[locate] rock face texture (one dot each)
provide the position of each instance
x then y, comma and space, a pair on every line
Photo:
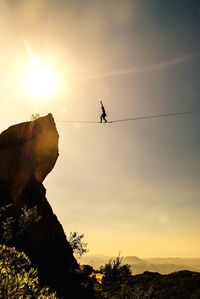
28, 149
28, 152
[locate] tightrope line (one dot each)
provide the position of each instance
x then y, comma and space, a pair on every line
133, 118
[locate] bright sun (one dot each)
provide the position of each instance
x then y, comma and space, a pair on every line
40, 81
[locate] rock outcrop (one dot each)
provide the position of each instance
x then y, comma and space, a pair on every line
27, 149
28, 152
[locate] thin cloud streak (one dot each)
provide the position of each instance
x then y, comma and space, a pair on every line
139, 70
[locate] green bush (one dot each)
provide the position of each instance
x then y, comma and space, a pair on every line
115, 276
17, 278
13, 228
78, 246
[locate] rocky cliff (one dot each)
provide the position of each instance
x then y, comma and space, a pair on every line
28, 152
27, 149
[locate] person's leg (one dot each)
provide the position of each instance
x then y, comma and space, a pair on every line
104, 118
101, 118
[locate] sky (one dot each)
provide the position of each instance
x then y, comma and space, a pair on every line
130, 187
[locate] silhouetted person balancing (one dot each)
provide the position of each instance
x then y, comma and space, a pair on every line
103, 115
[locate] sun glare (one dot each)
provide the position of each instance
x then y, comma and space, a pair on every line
40, 80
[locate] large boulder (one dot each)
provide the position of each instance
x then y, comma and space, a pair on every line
27, 149
28, 152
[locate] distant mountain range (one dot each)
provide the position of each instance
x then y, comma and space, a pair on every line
161, 265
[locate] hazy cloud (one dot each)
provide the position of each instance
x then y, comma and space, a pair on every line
144, 69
